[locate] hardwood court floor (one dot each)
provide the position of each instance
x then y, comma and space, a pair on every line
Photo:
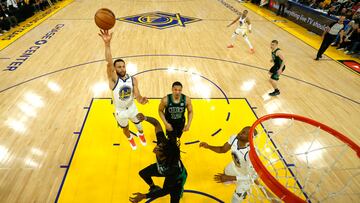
42, 100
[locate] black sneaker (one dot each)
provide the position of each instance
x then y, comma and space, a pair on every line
154, 188
317, 58
274, 93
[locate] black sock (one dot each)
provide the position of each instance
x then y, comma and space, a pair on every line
277, 90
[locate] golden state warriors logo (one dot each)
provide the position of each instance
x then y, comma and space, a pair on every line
159, 20
124, 93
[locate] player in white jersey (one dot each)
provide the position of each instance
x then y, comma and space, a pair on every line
125, 90
240, 170
243, 28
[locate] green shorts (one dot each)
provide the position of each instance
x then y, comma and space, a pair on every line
274, 72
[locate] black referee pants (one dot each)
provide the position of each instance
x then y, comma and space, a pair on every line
328, 39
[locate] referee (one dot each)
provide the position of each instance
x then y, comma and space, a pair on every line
329, 35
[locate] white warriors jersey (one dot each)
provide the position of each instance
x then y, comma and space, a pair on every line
123, 92
242, 22
240, 156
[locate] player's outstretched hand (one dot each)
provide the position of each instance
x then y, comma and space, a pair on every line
203, 144
143, 100
220, 178
138, 197
186, 128
104, 34
168, 127
141, 117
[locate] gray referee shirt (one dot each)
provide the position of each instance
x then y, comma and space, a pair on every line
335, 29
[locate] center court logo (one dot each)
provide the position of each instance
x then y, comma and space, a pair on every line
159, 20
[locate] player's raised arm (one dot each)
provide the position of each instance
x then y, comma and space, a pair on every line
106, 36
234, 21
218, 149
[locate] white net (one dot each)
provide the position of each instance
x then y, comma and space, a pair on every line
310, 162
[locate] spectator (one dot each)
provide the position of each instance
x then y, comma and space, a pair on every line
355, 7
333, 10
352, 25
24, 10
12, 3
353, 43
343, 11
2, 26
348, 14
10, 19
281, 9
347, 36
335, 3
325, 4
314, 4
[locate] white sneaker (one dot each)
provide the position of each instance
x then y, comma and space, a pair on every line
132, 144
142, 138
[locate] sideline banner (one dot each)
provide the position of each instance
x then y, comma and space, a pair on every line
309, 18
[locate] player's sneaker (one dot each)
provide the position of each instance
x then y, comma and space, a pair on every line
142, 139
132, 144
274, 93
230, 46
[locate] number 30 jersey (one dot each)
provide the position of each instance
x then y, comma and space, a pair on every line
123, 92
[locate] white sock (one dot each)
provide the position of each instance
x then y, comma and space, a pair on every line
248, 42
233, 38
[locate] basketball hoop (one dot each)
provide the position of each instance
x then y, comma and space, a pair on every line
287, 180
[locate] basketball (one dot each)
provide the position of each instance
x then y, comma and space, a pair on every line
104, 18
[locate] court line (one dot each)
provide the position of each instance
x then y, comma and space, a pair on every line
72, 19
204, 19
193, 142
249, 6
196, 192
73, 152
185, 56
116, 144
305, 42
186, 71
216, 132
228, 116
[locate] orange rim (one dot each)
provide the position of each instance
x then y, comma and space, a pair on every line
276, 187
